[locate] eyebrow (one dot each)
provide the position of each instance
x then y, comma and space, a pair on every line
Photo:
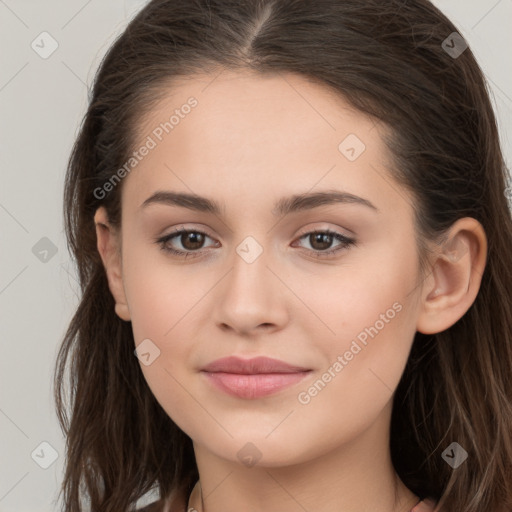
283, 206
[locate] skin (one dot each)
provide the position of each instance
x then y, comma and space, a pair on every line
250, 141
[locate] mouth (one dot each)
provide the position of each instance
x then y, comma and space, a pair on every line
253, 378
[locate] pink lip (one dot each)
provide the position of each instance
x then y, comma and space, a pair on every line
252, 378
260, 364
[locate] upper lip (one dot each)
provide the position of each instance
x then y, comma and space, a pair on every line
255, 365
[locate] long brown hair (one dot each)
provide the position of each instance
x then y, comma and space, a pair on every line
389, 59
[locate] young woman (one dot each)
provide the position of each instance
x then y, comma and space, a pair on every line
292, 235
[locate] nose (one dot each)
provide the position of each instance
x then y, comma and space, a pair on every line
251, 298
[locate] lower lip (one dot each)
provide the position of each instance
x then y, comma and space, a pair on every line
254, 385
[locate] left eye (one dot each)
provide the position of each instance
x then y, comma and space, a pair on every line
325, 238
192, 241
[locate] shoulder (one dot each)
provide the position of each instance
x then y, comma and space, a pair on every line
161, 506
176, 503
426, 505
156, 506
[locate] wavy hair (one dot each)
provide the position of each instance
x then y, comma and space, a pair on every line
388, 59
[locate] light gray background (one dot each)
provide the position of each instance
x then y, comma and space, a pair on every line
41, 104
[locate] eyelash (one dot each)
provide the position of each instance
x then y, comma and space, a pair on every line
345, 242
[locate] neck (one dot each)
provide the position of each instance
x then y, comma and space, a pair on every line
359, 475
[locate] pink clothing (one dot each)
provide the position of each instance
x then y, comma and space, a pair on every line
426, 505
175, 505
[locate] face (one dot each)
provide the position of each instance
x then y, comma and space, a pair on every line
326, 284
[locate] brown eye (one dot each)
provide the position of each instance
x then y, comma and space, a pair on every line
191, 241
321, 241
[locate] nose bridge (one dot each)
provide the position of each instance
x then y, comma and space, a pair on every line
250, 275
250, 295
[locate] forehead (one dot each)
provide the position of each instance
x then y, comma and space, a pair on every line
251, 134
269, 103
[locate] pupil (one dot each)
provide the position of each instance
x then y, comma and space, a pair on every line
323, 238
195, 238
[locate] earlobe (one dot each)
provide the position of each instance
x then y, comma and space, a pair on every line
454, 282
108, 244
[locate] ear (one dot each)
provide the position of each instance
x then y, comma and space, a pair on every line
452, 286
109, 247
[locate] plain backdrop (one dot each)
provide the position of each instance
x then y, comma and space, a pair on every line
42, 101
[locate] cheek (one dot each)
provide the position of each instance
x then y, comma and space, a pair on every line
370, 312
161, 294
163, 299
365, 365
371, 291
